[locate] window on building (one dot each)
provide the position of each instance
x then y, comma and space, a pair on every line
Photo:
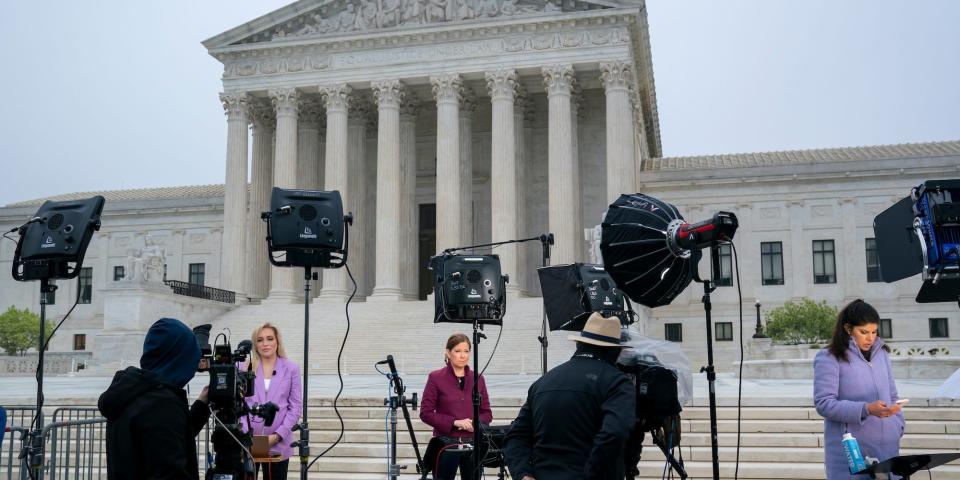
197, 273
771, 262
873, 262
939, 328
824, 262
724, 331
86, 284
723, 266
886, 328
673, 332
118, 273
80, 341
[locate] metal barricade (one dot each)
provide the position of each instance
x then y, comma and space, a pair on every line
19, 418
76, 444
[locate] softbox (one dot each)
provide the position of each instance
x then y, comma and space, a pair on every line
309, 226
55, 237
572, 292
468, 288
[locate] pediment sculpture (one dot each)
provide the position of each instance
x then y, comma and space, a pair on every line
365, 15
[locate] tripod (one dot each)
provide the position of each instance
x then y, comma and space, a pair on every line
399, 400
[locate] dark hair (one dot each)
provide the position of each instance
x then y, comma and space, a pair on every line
457, 339
607, 354
857, 313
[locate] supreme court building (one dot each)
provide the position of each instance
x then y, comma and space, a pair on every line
442, 123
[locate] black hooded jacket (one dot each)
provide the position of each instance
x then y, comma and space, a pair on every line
575, 421
150, 432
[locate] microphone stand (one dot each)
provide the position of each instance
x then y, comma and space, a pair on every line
545, 241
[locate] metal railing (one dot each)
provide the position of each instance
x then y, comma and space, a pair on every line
201, 291
18, 420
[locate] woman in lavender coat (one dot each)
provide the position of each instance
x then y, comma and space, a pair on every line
854, 391
278, 381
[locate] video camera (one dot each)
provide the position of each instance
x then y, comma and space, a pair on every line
228, 389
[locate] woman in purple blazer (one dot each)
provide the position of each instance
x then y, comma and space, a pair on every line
854, 391
447, 403
278, 381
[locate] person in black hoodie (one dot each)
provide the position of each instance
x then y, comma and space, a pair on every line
577, 416
150, 430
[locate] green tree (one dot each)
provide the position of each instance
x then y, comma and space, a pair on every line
19, 330
802, 322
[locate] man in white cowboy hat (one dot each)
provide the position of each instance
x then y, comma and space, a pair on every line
577, 417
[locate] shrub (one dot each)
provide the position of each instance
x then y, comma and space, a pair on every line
801, 322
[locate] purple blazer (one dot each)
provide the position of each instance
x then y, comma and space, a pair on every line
443, 402
285, 393
841, 392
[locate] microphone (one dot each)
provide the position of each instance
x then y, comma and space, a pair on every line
389, 361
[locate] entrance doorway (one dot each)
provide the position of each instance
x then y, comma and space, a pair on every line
428, 246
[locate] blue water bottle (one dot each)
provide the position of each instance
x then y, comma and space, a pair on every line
854, 457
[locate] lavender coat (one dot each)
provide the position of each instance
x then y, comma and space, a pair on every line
841, 392
285, 393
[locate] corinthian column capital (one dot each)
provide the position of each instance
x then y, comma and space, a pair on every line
447, 88
234, 104
502, 84
285, 101
468, 103
616, 75
261, 114
558, 79
336, 97
388, 93
410, 106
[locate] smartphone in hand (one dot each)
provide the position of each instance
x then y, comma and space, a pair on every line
903, 401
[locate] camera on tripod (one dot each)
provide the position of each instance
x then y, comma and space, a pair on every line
228, 389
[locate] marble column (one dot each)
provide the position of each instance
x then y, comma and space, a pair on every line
621, 148
409, 221
359, 178
309, 168
336, 100
283, 280
519, 145
263, 121
235, 194
502, 85
388, 94
534, 250
468, 106
447, 91
576, 109
562, 175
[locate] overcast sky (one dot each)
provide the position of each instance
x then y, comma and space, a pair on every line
103, 95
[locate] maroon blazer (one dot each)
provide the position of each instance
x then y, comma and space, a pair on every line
443, 402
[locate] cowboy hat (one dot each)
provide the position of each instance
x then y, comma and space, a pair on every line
600, 331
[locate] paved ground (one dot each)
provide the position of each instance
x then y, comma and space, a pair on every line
86, 389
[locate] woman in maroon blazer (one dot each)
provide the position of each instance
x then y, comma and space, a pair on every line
447, 403
278, 381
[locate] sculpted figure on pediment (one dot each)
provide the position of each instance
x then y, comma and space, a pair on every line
552, 7
390, 16
413, 12
367, 17
436, 10
347, 20
465, 10
320, 25
488, 8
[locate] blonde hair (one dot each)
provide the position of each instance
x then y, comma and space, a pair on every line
255, 354
454, 340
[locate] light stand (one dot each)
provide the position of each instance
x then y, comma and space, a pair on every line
303, 444
708, 287
33, 442
477, 461
395, 401
545, 242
